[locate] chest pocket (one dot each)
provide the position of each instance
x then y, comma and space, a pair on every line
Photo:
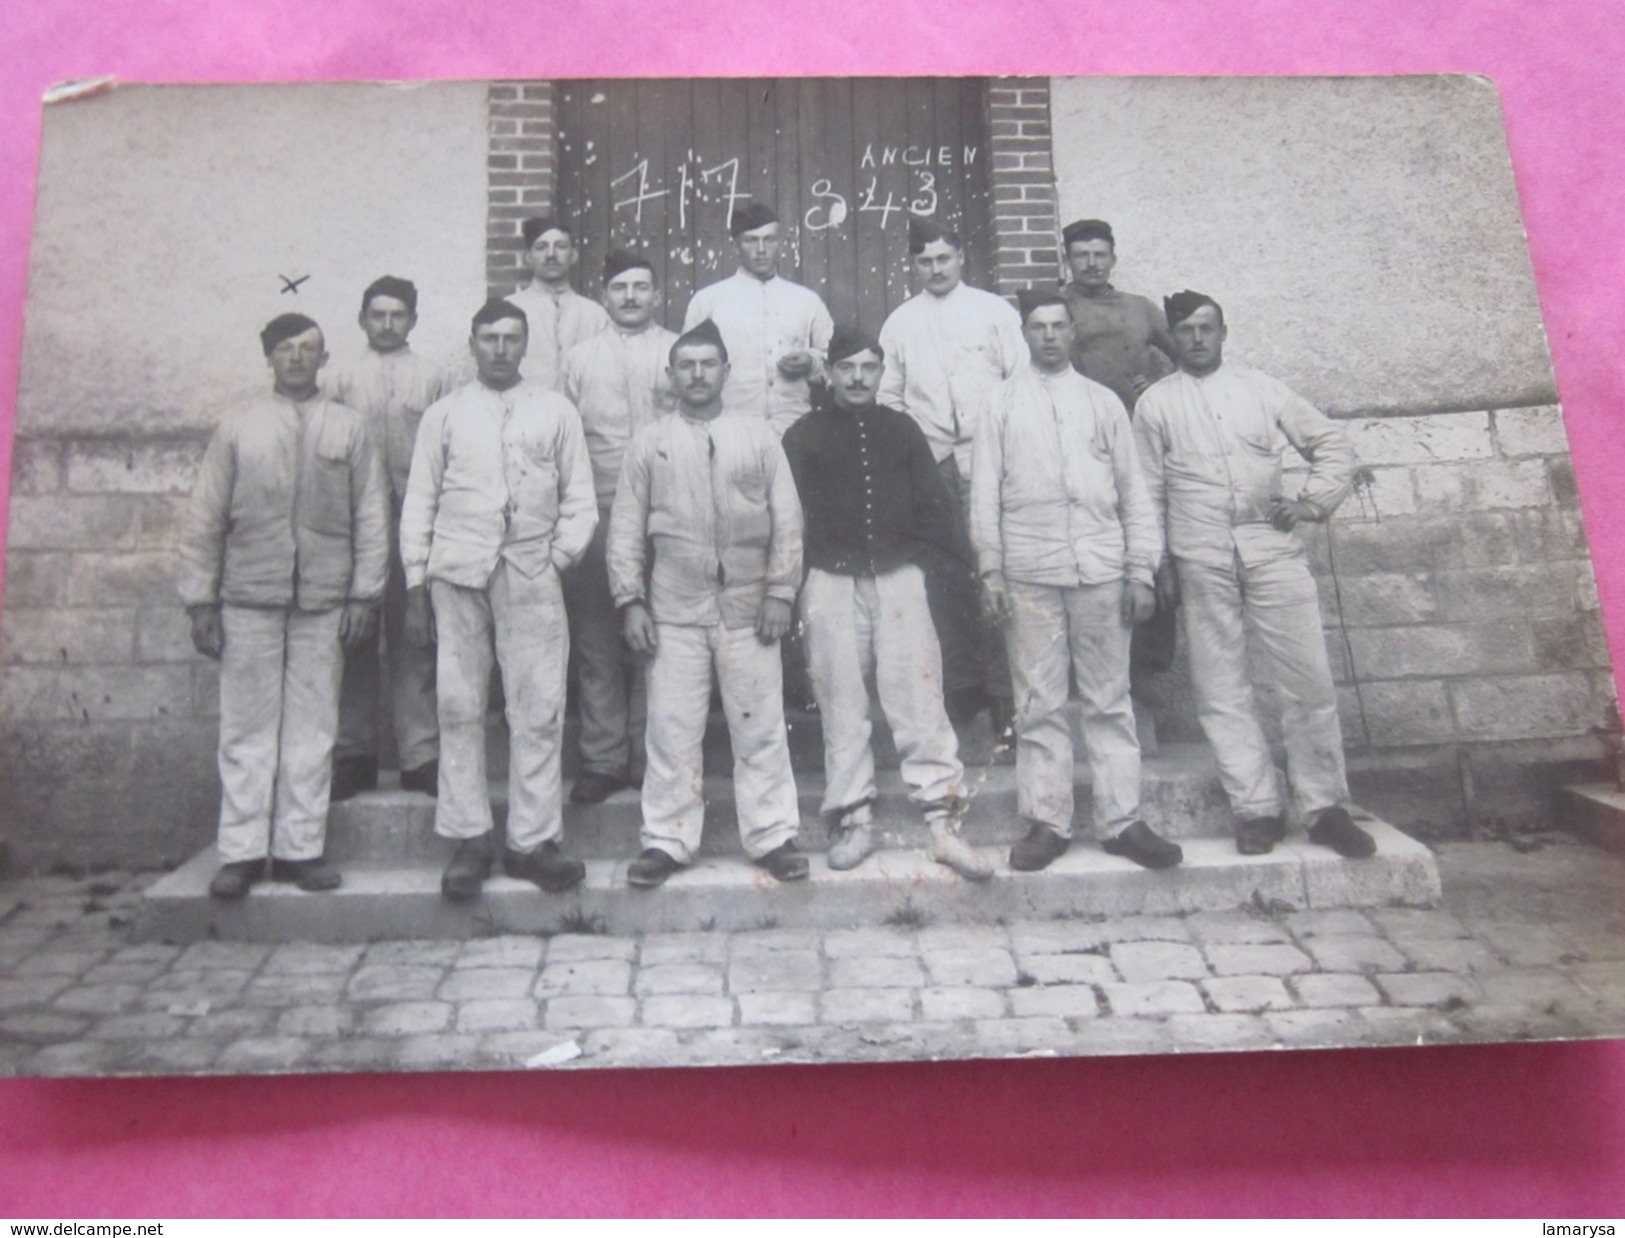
750, 480
1259, 443
327, 496
534, 478
1090, 478
1100, 450
972, 357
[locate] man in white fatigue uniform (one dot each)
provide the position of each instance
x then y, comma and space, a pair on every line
559, 316
775, 330
948, 347
1067, 543
282, 563
1210, 439
618, 382
704, 562
499, 503
390, 386
873, 502
1121, 341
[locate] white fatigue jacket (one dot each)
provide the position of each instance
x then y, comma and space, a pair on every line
618, 382
945, 356
496, 474
1211, 449
391, 390
556, 324
716, 505
288, 510
1057, 493
761, 321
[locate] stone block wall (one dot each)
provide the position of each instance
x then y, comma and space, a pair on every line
1459, 600
107, 715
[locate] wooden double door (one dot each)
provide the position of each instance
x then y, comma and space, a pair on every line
662, 165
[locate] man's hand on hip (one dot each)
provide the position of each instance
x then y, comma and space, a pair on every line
772, 620
638, 626
1285, 514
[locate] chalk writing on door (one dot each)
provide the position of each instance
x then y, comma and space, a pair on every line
892, 181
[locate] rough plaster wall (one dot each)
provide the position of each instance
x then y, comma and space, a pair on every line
166, 215
1362, 234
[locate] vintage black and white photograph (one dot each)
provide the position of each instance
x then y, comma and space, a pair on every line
560, 574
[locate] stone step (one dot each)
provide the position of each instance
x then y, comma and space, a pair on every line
1595, 810
1181, 798
379, 901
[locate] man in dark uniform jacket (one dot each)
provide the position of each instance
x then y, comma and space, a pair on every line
875, 502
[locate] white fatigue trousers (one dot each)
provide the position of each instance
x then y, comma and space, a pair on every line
412, 705
881, 624
611, 697
279, 710
521, 620
1276, 602
752, 684
1046, 623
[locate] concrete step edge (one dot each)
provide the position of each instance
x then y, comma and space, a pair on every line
386, 902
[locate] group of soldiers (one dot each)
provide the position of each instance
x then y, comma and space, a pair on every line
963, 509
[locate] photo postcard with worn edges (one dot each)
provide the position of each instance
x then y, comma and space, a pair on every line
560, 574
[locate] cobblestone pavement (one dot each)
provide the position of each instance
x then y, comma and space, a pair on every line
1526, 946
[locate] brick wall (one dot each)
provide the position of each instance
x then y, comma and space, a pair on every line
107, 716
519, 175
1026, 229
522, 159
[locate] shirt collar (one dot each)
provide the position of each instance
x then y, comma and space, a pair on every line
1202, 378
542, 290
505, 396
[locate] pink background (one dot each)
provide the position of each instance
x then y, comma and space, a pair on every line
1536, 1130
